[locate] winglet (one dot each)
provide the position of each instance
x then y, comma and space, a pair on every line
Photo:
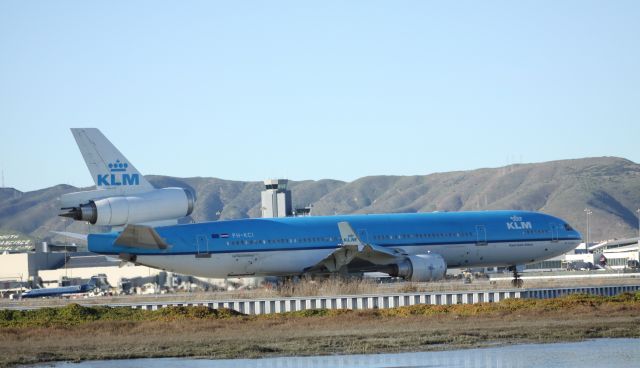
349, 237
140, 236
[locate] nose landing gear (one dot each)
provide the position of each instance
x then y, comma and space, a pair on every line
517, 282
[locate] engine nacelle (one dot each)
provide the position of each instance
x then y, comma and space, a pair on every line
156, 205
422, 268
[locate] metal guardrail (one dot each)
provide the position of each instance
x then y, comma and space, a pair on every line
373, 301
594, 290
356, 302
363, 302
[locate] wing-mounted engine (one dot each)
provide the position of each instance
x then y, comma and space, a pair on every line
155, 205
421, 268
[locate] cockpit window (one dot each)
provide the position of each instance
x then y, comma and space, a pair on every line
568, 227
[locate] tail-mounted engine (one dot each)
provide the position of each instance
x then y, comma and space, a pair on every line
156, 205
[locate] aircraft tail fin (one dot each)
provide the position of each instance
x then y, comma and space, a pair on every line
109, 168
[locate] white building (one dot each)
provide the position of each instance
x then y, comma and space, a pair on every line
276, 199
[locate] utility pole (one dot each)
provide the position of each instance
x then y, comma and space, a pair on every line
638, 212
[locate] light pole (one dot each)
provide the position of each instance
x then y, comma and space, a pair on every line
638, 212
588, 212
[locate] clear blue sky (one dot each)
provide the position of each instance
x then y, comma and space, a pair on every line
315, 89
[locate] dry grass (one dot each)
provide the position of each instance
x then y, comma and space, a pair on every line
329, 286
417, 328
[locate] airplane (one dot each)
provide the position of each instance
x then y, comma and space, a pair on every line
414, 246
60, 291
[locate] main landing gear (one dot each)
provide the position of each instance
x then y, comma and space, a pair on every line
517, 281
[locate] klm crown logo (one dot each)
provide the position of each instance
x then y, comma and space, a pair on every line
118, 175
118, 166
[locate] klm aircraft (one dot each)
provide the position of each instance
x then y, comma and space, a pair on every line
416, 246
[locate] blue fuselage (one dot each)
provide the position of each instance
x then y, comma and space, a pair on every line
290, 245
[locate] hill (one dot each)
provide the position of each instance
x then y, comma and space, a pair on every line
609, 186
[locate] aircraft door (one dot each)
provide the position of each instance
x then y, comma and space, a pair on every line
481, 235
554, 232
202, 246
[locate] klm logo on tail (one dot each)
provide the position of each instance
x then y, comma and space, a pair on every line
118, 176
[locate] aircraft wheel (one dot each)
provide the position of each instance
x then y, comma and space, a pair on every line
517, 283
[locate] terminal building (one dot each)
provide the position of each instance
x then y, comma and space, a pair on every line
45, 269
615, 254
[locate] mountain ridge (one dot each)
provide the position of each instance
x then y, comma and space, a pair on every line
608, 186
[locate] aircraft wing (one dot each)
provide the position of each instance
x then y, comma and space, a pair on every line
353, 248
140, 236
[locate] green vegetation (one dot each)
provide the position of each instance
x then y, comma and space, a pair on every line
521, 306
74, 314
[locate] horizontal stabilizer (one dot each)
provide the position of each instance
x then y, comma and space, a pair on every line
140, 236
72, 235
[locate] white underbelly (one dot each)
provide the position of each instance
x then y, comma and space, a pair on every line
221, 265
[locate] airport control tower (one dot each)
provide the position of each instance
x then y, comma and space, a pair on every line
276, 199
